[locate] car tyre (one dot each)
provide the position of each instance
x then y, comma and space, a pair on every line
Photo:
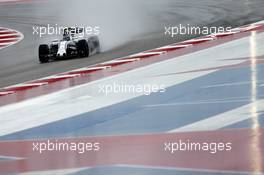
83, 48
44, 53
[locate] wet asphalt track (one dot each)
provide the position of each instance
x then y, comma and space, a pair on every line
19, 63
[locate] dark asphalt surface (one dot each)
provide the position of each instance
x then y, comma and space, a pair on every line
132, 28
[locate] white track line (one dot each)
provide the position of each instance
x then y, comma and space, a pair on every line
10, 34
122, 61
87, 69
227, 84
251, 27
56, 172
222, 120
199, 39
59, 77
147, 53
66, 76
6, 92
5, 1
27, 85
201, 171
199, 103
224, 34
177, 46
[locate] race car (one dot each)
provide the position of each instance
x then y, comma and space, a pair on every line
72, 45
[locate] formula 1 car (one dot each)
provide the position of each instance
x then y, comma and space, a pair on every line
72, 45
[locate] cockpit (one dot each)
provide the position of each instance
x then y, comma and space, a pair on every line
70, 32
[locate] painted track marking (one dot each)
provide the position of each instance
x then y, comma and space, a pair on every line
9, 37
